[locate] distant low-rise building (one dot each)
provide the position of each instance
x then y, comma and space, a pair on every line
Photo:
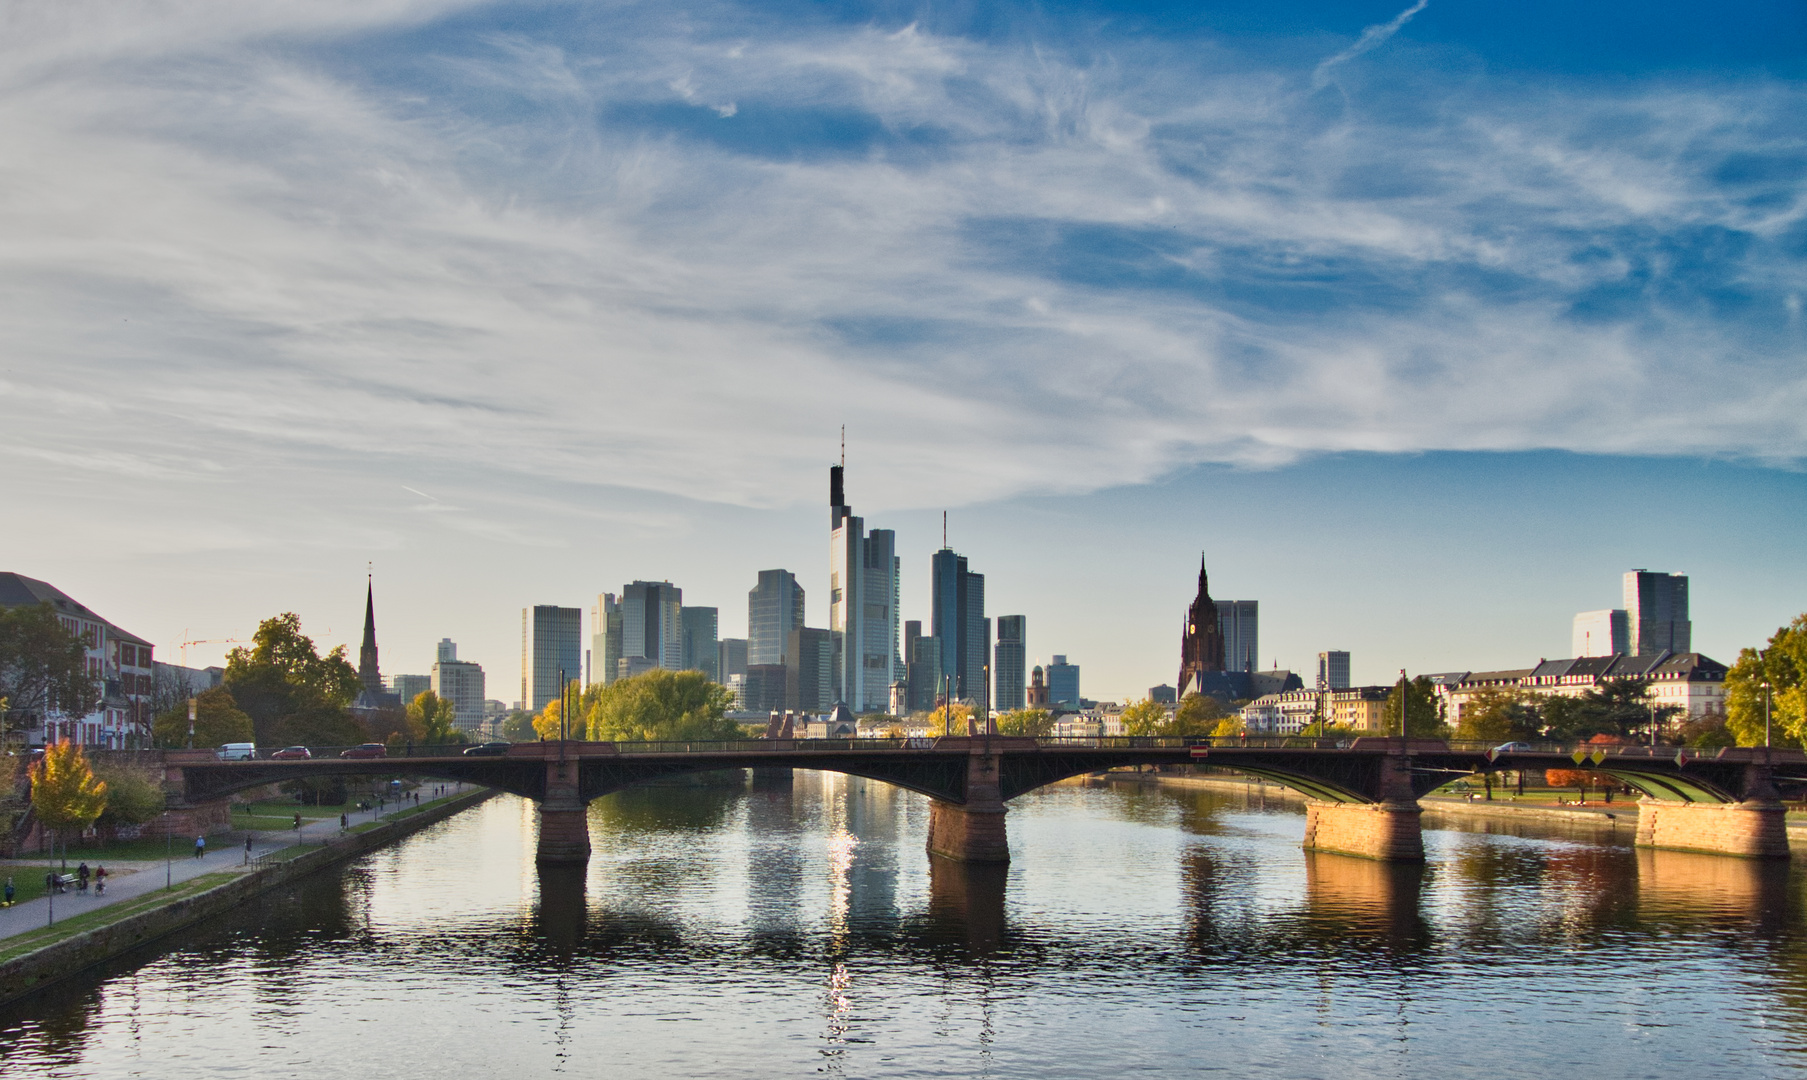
1694, 684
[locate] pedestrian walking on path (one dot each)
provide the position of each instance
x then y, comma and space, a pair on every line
200, 846
10, 891
344, 823
82, 874
100, 880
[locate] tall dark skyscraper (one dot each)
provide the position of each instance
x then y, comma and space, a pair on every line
863, 573
1656, 609
370, 672
962, 632
1008, 672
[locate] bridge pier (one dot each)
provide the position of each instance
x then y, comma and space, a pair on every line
564, 817
1388, 830
1753, 829
972, 831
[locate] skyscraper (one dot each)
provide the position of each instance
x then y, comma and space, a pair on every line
605, 638
1008, 672
809, 670
461, 683
1238, 620
774, 609
1656, 612
731, 658
863, 574
922, 666
962, 632
1600, 633
1063, 683
1333, 670
551, 642
699, 628
651, 626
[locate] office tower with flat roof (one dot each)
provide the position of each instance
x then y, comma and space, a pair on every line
1333, 670
1239, 621
809, 670
763, 687
1656, 612
1600, 633
731, 658
605, 638
774, 609
1009, 672
961, 630
922, 667
651, 623
1063, 683
863, 576
700, 645
408, 687
461, 683
551, 642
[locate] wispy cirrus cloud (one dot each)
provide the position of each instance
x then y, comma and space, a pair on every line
672, 250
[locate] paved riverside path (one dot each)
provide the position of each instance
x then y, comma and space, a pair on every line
225, 852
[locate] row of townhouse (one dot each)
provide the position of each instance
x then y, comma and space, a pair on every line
1690, 683
1362, 708
119, 662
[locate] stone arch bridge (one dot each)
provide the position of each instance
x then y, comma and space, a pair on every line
1362, 794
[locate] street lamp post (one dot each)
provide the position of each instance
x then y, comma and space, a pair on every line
1766, 696
1404, 690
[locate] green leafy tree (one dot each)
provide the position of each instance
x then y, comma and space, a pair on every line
1200, 714
1615, 707
655, 705
433, 720
1035, 723
218, 720
134, 795
1145, 717
291, 692
65, 793
1782, 663
518, 727
43, 668
1496, 715
1422, 720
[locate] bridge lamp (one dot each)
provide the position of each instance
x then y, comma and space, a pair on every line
1766, 697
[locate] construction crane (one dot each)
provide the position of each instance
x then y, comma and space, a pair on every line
206, 641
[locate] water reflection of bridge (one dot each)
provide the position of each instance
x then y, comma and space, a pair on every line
1363, 794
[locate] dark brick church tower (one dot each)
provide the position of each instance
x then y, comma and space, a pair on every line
369, 672
1201, 648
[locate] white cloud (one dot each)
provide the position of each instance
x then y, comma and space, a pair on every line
1077, 272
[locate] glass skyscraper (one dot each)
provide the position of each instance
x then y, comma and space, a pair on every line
551, 642
961, 631
1008, 673
774, 609
863, 573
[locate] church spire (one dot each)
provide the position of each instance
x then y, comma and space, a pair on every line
1202, 645
369, 672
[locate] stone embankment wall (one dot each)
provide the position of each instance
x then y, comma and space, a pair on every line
71, 956
1751, 829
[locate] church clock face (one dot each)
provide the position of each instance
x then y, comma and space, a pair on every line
1191, 629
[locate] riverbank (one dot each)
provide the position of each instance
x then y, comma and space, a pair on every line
37, 958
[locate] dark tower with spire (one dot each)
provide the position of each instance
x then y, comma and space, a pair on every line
369, 672
1201, 647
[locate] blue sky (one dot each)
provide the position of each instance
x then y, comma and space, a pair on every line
522, 301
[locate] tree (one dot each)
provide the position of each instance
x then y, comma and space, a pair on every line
1035, 723
134, 795
951, 719
1200, 714
1145, 717
65, 793
218, 720
1783, 665
291, 692
655, 705
43, 668
433, 720
1576, 778
1615, 707
519, 727
1497, 715
1421, 711
1229, 727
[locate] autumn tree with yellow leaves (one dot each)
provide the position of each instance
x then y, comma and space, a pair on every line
65, 793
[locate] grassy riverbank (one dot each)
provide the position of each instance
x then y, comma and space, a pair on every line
21, 944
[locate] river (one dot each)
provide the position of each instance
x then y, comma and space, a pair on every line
763, 932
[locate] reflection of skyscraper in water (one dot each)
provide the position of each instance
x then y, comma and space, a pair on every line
775, 864
875, 814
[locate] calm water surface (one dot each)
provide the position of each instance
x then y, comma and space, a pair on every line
736, 931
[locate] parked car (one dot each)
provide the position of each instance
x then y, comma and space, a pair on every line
292, 753
366, 750
488, 749
238, 751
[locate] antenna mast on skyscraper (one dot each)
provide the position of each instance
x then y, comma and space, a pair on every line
843, 446
944, 528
